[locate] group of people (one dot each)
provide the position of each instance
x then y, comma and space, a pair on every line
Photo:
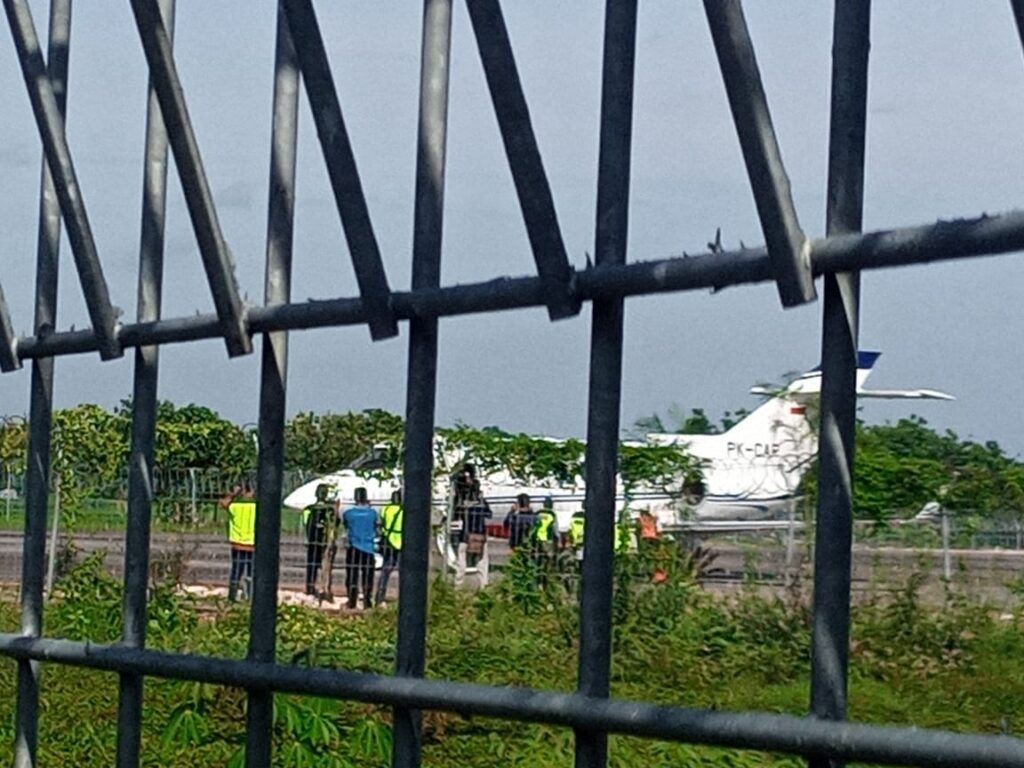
533, 532
536, 531
366, 533
369, 533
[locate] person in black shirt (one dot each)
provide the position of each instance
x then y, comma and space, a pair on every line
519, 522
320, 519
468, 525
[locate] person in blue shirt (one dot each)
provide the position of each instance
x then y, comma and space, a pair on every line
360, 523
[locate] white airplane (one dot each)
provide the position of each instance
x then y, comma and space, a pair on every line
751, 472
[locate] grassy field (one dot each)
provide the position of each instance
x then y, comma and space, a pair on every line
961, 668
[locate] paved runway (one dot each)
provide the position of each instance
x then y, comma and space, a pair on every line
203, 559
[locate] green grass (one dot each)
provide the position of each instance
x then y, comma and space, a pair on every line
959, 667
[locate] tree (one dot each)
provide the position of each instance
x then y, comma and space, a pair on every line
900, 467
331, 441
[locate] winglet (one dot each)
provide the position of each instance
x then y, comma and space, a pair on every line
866, 360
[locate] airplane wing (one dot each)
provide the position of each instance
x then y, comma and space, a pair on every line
731, 526
886, 394
905, 394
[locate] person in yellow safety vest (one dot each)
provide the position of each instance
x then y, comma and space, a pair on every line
545, 530
390, 542
241, 509
545, 539
577, 527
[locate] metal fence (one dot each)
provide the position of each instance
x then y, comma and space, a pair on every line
789, 259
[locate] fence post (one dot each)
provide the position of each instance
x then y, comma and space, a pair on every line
51, 569
790, 545
947, 567
7, 501
192, 493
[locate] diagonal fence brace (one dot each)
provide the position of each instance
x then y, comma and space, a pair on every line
524, 158
787, 245
49, 121
341, 167
217, 260
9, 360
1018, 16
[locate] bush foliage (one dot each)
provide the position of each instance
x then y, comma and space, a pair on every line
899, 467
959, 667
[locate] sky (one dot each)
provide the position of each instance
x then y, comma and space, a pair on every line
946, 106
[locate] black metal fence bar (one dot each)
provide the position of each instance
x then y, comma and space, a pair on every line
217, 261
37, 481
49, 115
789, 259
786, 242
942, 241
1018, 16
421, 388
273, 381
834, 530
605, 390
749, 730
341, 167
523, 156
9, 360
144, 408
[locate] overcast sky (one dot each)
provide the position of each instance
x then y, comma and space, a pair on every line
945, 138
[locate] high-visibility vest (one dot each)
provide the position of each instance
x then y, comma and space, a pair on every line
576, 527
544, 529
391, 524
242, 523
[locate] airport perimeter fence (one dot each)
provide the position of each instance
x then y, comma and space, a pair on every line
183, 498
791, 260
983, 559
186, 498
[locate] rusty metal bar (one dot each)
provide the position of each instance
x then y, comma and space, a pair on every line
524, 159
49, 117
421, 386
217, 260
1017, 6
747, 730
144, 417
944, 241
273, 386
833, 536
9, 360
37, 480
605, 390
341, 167
787, 245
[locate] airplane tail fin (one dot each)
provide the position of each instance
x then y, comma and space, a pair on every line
764, 456
810, 382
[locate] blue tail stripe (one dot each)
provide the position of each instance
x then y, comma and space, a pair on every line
865, 361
